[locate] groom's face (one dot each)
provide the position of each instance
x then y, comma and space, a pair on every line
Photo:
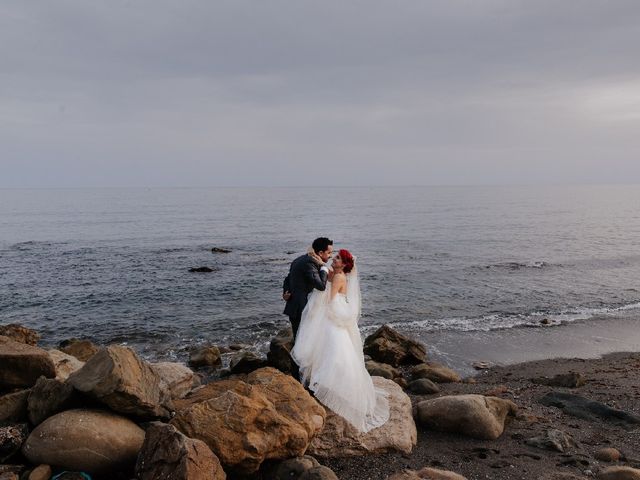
325, 255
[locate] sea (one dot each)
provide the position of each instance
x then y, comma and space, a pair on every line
113, 264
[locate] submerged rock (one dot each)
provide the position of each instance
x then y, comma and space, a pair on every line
388, 346
220, 250
201, 269
21, 364
208, 356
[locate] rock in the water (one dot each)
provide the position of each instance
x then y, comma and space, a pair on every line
64, 363
168, 454
117, 377
245, 362
388, 346
608, 454
86, 440
568, 380
48, 397
11, 439
378, 369
22, 364
581, 407
470, 415
423, 386
83, 350
13, 406
292, 468
201, 269
426, 473
279, 355
553, 439
41, 472
435, 372
619, 473
178, 378
20, 334
341, 439
318, 473
220, 250
269, 415
205, 357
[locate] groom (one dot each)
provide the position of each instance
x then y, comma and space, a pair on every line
306, 273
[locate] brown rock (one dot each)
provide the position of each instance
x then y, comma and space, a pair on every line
205, 357
64, 363
13, 406
279, 355
378, 369
245, 362
388, 346
608, 455
41, 472
426, 473
567, 380
117, 377
168, 454
11, 439
435, 372
22, 364
9, 476
48, 397
291, 468
269, 415
20, 334
341, 439
423, 386
178, 378
499, 390
318, 473
619, 473
561, 476
553, 439
93, 441
470, 415
83, 350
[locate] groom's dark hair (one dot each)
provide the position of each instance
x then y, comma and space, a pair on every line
321, 244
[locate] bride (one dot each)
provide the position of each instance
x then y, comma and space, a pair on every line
328, 350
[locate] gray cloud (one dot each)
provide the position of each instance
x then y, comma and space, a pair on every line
298, 93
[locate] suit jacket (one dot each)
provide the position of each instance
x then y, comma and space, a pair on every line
304, 276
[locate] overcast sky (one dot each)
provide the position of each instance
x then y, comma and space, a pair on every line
375, 92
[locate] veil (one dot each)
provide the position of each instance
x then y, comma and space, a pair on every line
354, 296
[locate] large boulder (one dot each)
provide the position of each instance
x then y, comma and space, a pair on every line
48, 397
13, 406
83, 350
178, 378
64, 363
167, 453
426, 474
117, 377
341, 439
20, 334
266, 415
93, 441
208, 356
474, 416
21, 364
435, 372
388, 346
279, 355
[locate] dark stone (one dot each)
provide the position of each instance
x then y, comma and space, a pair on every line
388, 346
205, 357
13, 406
318, 473
48, 397
378, 369
423, 386
291, 468
584, 408
11, 439
220, 250
21, 364
201, 269
279, 355
568, 380
246, 362
81, 349
553, 439
20, 334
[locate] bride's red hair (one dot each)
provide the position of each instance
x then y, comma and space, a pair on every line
347, 260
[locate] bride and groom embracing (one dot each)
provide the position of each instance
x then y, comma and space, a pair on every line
322, 291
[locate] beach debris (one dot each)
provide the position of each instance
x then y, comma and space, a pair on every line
584, 408
471, 415
81, 349
13, 406
22, 364
55, 441
20, 334
389, 346
207, 356
201, 269
426, 473
267, 415
48, 397
245, 362
608, 454
64, 363
384, 370
11, 439
117, 377
220, 250
423, 386
568, 380
399, 434
435, 372
167, 453
279, 355
177, 378
619, 473
553, 439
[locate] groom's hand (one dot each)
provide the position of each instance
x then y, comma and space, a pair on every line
286, 296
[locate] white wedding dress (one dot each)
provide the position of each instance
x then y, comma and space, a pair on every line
328, 350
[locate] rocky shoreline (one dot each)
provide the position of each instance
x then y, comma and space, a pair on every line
85, 411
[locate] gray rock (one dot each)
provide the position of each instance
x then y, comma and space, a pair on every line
553, 439
48, 397
584, 408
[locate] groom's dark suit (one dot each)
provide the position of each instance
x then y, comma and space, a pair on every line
304, 275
